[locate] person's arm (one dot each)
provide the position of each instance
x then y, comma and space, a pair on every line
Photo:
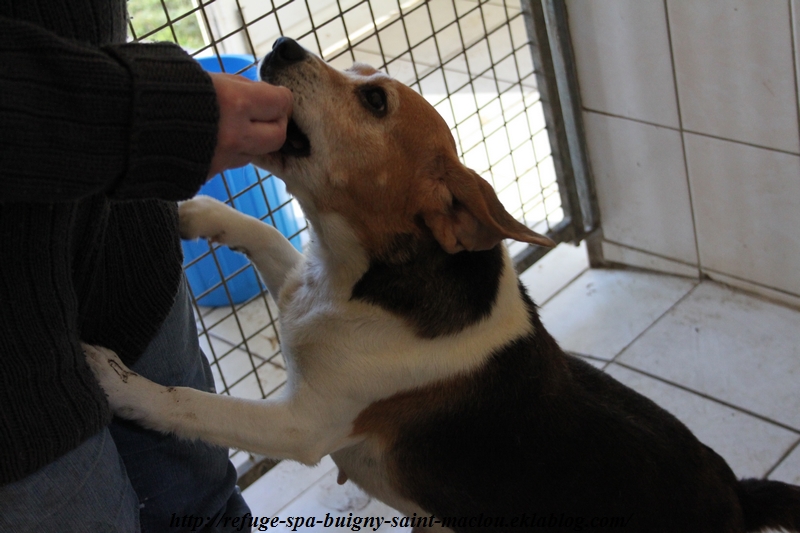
131, 120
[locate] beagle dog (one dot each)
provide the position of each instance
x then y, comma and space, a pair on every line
416, 359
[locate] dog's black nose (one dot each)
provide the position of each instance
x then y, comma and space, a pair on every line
288, 50
285, 52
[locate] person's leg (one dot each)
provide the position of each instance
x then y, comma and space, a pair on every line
85, 490
180, 483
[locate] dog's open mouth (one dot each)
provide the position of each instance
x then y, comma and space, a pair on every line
297, 144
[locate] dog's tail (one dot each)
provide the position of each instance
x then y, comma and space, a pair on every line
769, 504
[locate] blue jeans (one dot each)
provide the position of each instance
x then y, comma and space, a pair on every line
129, 479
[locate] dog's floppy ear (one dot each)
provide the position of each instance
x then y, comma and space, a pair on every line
464, 213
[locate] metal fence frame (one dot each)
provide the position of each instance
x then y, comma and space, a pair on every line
551, 48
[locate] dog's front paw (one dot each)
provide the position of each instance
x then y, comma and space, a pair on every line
204, 217
126, 390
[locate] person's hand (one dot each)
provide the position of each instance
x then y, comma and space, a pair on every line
252, 120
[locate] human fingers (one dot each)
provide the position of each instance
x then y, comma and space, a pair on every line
269, 103
252, 100
264, 137
252, 122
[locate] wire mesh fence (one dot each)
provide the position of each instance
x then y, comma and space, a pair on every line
471, 59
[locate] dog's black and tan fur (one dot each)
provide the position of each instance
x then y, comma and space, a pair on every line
414, 356
540, 433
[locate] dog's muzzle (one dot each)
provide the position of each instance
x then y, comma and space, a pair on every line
285, 53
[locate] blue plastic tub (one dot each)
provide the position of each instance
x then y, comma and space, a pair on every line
204, 274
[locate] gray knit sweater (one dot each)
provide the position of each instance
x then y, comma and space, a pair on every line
98, 138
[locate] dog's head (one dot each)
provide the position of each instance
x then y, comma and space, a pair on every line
369, 149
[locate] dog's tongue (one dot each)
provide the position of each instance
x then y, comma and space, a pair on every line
296, 141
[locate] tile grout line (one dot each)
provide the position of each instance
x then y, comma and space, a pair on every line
586, 356
795, 59
706, 396
683, 139
654, 322
563, 287
769, 299
782, 458
658, 256
707, 271
691, 132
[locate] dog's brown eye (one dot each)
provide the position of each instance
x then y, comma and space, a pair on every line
374, 99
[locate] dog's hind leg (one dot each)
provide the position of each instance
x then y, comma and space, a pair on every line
273, 256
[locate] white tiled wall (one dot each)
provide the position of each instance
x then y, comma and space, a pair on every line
620, 47
691, 113
747, 210
638, 167
733, 65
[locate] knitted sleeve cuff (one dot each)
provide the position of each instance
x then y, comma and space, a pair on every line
173, 125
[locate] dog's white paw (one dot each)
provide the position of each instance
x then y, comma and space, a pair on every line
126, 390
204, 217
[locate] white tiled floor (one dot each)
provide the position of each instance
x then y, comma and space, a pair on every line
724, 362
